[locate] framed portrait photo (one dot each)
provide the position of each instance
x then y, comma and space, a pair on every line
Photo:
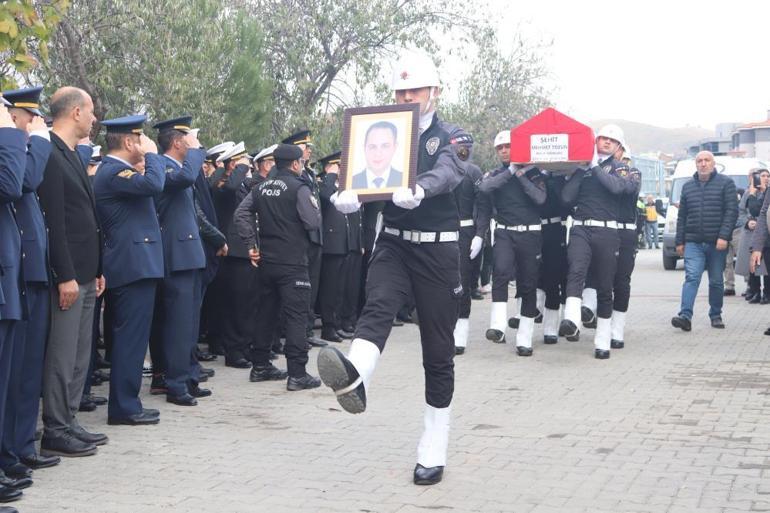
379, 150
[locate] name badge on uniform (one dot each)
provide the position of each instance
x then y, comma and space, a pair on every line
432, 145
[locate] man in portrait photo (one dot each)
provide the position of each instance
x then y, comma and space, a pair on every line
380, 145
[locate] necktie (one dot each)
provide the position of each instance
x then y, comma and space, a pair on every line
378, 182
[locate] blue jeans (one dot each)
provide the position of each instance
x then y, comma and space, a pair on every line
651, 233
699, 257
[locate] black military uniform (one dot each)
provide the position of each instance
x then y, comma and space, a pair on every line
315, 249
465, 195
594, 242
627, 215
286, 212
553, 265
516, 201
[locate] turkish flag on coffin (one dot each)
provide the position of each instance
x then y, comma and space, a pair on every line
552, 141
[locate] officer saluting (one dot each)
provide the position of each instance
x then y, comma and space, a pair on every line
133, 257
416, 253
593, 244
286, 212
183, 257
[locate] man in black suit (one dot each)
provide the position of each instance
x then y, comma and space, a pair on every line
380, 144
67, 200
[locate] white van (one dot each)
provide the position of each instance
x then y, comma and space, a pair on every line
735, 167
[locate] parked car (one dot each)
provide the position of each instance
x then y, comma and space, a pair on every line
735, 167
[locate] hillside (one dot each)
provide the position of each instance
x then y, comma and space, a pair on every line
643, 138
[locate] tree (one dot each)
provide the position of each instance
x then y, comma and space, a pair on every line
167, 58
499, 92
25, 27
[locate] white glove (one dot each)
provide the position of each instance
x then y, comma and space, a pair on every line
476, 244
513, 168
595, 159
346, 201
403, 197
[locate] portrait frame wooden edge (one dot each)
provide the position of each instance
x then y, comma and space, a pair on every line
414, 108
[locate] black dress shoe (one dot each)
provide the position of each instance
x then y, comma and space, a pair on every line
397, 322
729, 292
523, 351
617, 344
716, 322
96, 399
197, 391
305, 382
17, 484
427, 475
476, 294
182, 400
18, 471
682, 323
151, 411
36, 461
513, 323
267, 373
8, 494
86, 405
238, 363
568, 330
89, 438
208, 372
601, 354
316, 342
338, 373
8, 509
755, 299
587, 317
345, 334
66, 445
767, 331
330, 336
550, 339
459, 350
158, 385
539, 318
496, 336
205, 356
137, 419
102, 375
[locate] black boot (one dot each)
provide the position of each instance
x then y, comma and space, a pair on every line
427, 475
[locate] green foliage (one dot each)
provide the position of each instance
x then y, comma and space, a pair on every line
25, 27
167, 58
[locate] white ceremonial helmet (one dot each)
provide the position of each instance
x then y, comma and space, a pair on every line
413, 71
503, 137
614, 132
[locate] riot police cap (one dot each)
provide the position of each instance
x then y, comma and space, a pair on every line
125, 124
27, 99
613, 132
182, 123
302, 137
414, 71
287, 152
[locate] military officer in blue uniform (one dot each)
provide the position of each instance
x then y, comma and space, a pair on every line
13, 156
133, 257
18, 446
183, 257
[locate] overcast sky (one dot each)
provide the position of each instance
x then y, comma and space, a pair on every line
666, 63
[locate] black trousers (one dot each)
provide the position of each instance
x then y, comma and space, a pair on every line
333, 273
348, 313
241, 280
553, 265
315, 257
213, 306
626, 260
285, 288
595, 250
517, 257
469, 270
430, 273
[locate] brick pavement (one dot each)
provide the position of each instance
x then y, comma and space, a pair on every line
673, 423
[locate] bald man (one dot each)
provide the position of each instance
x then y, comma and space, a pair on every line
708, 209
75, 245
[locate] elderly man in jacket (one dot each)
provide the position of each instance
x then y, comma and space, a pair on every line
708, 210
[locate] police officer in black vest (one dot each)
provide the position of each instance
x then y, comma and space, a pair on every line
594, 241
416, 253
315, 250
286, 213
516, 195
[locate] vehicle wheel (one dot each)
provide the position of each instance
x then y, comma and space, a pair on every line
669, 262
